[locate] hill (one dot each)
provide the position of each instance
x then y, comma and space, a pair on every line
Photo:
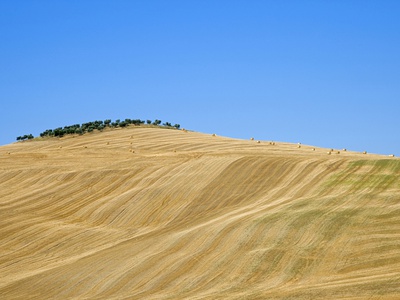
149, 213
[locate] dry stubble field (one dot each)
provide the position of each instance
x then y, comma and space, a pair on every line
147, 213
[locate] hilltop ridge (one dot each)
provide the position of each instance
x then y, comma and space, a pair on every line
148, 213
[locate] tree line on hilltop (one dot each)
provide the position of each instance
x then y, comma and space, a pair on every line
95, 125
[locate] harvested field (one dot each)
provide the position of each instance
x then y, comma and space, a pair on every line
147, 213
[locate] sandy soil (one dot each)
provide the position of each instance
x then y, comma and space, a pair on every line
147, 213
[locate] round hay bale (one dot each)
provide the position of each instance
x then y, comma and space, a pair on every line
252, 139
364, 152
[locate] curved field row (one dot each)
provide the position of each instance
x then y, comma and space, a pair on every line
146, 213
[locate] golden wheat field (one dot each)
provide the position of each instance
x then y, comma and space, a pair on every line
150, 213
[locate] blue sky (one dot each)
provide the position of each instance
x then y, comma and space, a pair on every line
324, 73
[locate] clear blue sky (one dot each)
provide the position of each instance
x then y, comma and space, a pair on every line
324, 73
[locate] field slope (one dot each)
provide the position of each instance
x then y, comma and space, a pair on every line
147, 213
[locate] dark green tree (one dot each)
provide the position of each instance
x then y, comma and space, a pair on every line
157, 122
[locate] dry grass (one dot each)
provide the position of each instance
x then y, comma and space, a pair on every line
171, 214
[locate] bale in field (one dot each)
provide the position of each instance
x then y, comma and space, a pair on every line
364, 152
252, 139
